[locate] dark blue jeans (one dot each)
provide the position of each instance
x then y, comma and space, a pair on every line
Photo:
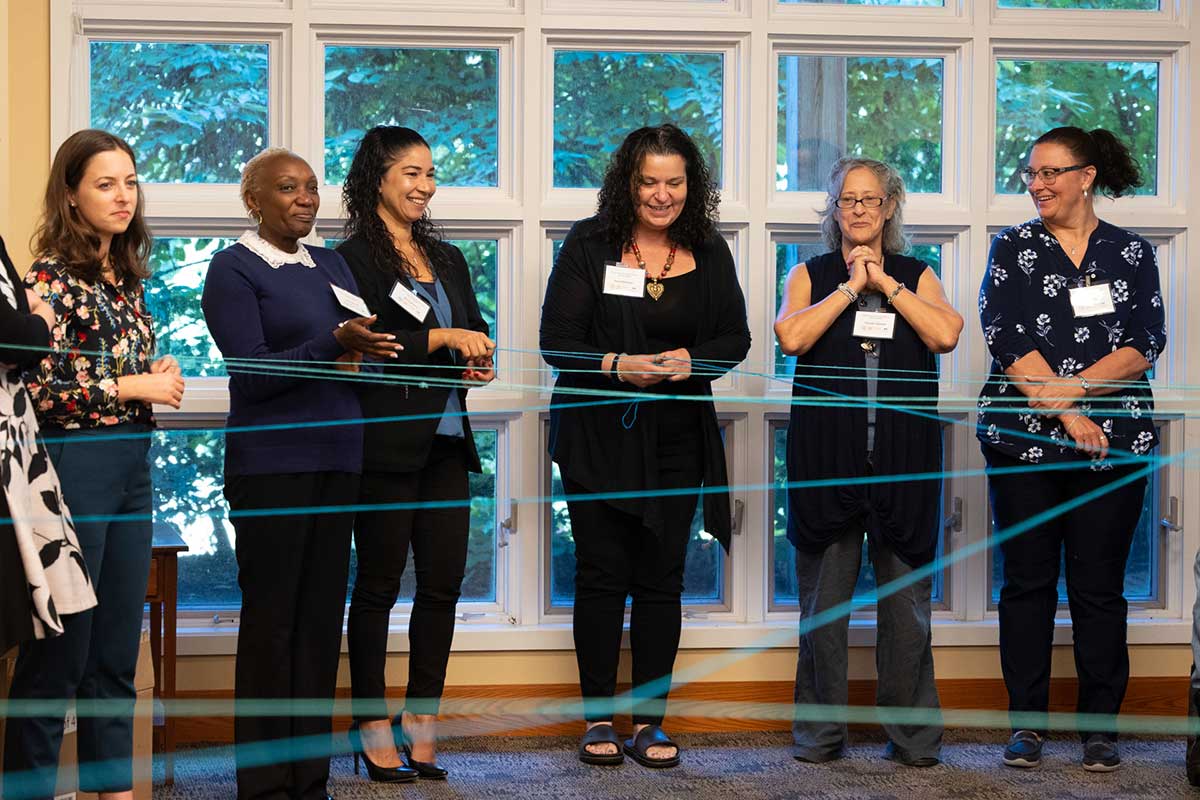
106, 485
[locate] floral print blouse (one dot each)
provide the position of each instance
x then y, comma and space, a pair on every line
102, 332
1024, 305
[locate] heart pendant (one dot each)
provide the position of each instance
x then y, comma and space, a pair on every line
654, 289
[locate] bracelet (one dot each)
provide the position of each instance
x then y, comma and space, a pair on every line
850, 293
1087, 387
898, 290
616, 369
1072, 422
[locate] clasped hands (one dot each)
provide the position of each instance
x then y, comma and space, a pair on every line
1056, 397
648, 369
866, 271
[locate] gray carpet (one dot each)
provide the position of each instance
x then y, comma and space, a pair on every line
747, 766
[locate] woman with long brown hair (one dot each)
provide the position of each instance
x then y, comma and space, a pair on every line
93, 394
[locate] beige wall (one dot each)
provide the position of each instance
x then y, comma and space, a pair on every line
24, 166
24, 120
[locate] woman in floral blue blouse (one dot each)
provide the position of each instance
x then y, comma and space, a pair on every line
1073, 317
93, 395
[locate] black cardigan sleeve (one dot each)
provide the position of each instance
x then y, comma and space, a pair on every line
568, 310
18, 326
728, 341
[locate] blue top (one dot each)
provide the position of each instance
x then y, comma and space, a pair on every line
284, 315
1024, 305
433, 293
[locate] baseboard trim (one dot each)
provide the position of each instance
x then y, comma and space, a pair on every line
520, 710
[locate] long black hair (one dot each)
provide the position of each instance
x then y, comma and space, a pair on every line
376, 153
616, 208
1117, 170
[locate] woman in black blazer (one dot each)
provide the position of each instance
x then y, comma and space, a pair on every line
420, 289
643, 300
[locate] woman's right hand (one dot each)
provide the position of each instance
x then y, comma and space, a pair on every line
857, 267
471, 344
1089, 437
163, 388
643, 370
40, 307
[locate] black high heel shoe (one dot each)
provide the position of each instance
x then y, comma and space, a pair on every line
427, 771
376, 773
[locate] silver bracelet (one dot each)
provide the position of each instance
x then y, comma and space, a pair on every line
896, 293
850, 293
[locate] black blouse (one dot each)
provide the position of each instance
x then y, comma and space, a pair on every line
828, 427
24, 337
580, 325
1024, 305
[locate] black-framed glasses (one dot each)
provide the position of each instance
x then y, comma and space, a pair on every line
1048, 174
847, 203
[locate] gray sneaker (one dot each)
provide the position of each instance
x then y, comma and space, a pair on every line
1024, 750
1100, 754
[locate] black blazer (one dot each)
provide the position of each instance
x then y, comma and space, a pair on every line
404, 446
580, 324
18, 326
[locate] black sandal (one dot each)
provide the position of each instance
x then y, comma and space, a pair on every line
651, 736
600, 734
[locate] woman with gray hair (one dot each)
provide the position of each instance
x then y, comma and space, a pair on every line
864, 320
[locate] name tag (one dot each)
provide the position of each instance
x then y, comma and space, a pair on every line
874, 324
624, 281
409, 300
350, 301
1092, 301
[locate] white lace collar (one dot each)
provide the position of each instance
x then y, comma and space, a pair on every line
271, 254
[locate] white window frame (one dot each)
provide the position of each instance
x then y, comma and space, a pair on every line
524, 210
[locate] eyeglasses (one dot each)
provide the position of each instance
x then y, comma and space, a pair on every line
847, 203
1048, 174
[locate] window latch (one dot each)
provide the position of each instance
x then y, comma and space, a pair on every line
467, 616
739, 511
1171, 521
954, 521
508, 528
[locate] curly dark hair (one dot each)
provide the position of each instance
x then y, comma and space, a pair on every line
377, 152
1117, 171
616, 208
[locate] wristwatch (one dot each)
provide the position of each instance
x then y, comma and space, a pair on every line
1087, 387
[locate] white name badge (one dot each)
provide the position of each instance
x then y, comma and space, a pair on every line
624, 281
1092, 301
407, 299
350, 301
874, 324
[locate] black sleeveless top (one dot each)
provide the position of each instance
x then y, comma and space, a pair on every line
828, 430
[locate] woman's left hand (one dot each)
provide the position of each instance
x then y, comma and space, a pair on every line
1056, 395
876, 277
167, 365
678, 361
479, 370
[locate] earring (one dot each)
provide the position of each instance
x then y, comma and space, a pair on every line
1085, 192
255, 216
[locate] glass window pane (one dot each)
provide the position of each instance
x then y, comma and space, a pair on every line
783, 554
600, 97
884, 108
866, 2
1141, 570
481, 259
703, 581
178, 265
193, 112
450, 96
1034, 96
479, 581
1106, 5
187, 470
789, 254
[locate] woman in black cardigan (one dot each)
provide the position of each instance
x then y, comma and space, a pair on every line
420, 289
643, 300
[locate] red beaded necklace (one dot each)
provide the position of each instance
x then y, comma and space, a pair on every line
655, 288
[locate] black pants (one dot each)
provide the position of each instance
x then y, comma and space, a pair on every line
438, 537
292, 570
616, 557
94, 660
1097, 536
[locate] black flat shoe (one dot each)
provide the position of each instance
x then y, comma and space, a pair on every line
601, 734
376, 773
425, 770
647, 737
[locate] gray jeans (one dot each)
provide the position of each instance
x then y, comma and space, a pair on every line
903, 656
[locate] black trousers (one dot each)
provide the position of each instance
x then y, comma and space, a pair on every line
106, 485
616, 557
1097, 536
292, 570
438, 537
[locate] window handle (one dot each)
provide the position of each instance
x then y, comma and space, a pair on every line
739, 511
508, 528
954, 521
1171, 521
